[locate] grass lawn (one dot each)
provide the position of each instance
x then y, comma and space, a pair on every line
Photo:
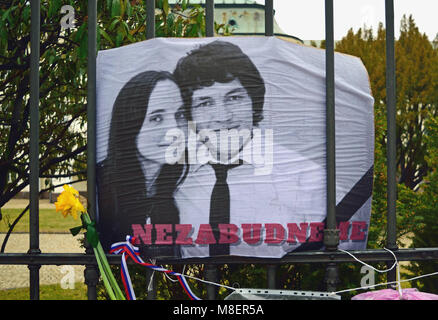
50, 221
47, 292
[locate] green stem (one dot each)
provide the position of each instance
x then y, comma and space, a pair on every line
111, 278
105, 269
104, 276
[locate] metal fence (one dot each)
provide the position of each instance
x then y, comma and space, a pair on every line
34, 258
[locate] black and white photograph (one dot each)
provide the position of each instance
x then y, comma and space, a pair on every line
215, 147
237, 151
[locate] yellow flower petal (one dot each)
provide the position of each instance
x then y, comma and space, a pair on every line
70, 189
68, 202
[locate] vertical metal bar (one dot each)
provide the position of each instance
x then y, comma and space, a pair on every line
391, 133
209, 18
151, 282
90, 273
150, 34
331, 278
330, 118
211, 275
269, 18
91, 108
211, 271
331, 234
34, 147
272, 276
150, 19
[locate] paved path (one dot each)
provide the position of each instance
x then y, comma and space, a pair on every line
17, 276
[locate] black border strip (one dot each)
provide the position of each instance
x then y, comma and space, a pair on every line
348, 206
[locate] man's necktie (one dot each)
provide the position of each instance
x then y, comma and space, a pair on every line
220, 208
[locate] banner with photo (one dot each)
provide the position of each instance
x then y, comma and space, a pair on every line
217, 146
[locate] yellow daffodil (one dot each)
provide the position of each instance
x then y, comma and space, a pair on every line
70, 189
68, 202
71, 202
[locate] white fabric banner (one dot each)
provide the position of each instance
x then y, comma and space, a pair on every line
216, 146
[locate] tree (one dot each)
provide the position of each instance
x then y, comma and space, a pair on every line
417, 78
416, 84
63, 114
426, 236
416, 90
417, 102
63, 79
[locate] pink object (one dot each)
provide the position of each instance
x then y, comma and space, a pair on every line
390, 294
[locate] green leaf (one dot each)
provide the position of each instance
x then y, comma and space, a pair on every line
75, 231
119, 39
166, 7
54, 7
126, 32
91, 235
81, 31
122, 7
128, 8
194, 30
109, 4
199, 18
179, 29
83, 48
51, 59
170, 20
51, 9
126, 27
113, 24
106, 36
98, 38
26, 13
115, 8
6, 15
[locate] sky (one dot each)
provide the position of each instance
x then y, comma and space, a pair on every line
305, 18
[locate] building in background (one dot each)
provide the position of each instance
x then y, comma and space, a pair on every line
245, 17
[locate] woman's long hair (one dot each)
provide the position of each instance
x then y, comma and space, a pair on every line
125, 199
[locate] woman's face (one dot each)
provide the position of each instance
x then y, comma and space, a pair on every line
164, 113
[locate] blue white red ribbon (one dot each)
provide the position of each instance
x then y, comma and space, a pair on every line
128, 250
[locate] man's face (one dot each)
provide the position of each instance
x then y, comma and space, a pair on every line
223, 106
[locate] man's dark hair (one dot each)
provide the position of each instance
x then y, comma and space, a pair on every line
219, 61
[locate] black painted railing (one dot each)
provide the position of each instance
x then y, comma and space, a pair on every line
35, 259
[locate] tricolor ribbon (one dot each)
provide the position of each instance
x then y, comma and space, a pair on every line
128, 250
